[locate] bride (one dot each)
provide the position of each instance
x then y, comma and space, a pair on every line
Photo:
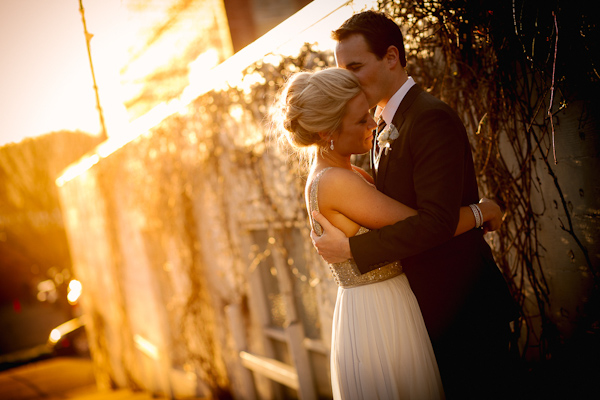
380, 347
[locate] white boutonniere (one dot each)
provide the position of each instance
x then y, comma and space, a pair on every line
386, 137
384, 141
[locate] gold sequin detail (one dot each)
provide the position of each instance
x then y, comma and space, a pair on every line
346, 273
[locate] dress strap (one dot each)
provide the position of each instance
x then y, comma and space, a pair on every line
314, 200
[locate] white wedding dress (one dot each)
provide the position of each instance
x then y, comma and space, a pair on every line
380, 348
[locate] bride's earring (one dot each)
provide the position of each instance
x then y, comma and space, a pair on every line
331, 147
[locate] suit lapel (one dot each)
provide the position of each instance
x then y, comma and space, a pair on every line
380, 175
398, 121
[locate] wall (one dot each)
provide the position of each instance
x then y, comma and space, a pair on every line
192, 244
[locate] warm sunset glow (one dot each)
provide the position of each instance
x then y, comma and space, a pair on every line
284, 39
146, 347
46, 77
46, 80
78, 168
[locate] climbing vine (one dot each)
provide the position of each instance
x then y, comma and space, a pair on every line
504, 66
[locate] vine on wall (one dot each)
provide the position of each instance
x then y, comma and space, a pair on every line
208, 149
503, 66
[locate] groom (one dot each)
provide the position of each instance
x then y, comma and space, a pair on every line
463, 297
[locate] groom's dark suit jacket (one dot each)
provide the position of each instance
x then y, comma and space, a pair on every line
430, 168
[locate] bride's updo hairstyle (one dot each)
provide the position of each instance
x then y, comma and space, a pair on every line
313, 102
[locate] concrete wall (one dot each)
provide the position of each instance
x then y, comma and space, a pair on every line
192, 243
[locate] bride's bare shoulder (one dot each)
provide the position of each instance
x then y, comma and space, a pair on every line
340, 182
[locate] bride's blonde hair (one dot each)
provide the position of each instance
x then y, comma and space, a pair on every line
314, 102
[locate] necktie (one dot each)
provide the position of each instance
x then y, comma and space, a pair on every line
380, 125
376, 150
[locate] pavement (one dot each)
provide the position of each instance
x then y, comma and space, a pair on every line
59, 379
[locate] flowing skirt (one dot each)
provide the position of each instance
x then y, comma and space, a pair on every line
380, 347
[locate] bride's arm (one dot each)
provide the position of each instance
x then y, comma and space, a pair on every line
347, 201
344, 196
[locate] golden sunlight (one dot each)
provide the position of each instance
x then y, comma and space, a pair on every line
205, 75
47, 85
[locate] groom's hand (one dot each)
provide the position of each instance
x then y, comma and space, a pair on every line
332, 245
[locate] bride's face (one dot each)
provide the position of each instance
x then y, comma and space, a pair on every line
356, 131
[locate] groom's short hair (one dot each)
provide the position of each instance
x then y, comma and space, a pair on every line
380, 32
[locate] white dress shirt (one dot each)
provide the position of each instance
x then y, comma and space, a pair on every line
392, 105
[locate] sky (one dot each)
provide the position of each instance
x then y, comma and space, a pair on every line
45, 78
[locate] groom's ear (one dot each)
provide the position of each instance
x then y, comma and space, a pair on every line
392, 56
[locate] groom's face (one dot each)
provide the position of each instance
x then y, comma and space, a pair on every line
353, 54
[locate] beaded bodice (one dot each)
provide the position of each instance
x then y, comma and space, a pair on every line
346, 273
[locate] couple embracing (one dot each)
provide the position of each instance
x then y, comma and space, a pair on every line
422, 310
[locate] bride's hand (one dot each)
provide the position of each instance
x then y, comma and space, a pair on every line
332, 245
492, 215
